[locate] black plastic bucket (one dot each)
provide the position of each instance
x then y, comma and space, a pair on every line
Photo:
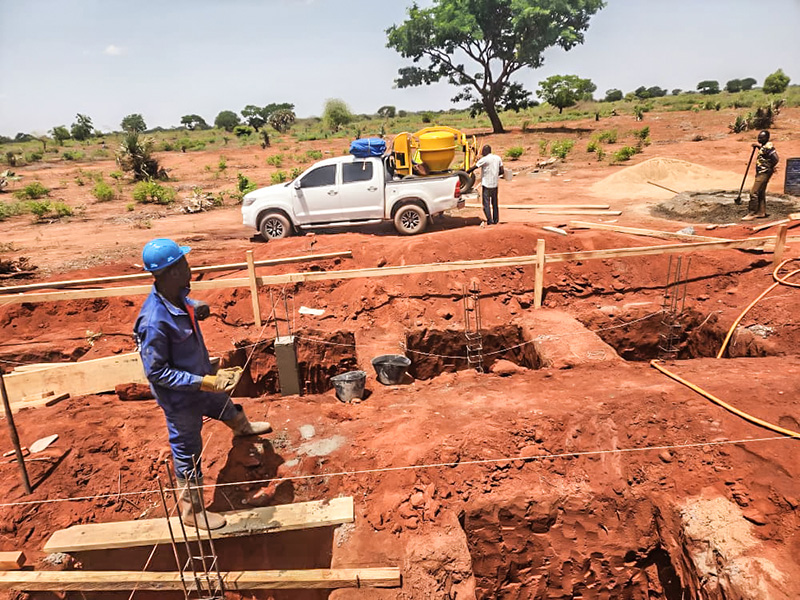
391, 368
350, 385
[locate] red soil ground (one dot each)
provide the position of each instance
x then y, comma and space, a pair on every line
710, 517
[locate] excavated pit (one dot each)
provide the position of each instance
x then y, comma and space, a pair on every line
436, 351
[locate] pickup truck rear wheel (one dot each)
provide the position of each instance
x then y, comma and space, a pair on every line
275, 226
410, 219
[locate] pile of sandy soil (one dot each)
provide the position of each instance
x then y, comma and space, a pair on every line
719, 207
678, 175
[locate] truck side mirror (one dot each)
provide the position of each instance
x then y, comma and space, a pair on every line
297, 184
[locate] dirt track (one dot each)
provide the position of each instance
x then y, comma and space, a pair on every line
704, 519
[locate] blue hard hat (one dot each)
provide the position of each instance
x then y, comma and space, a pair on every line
162, 252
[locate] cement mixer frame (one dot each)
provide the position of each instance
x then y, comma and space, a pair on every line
430, 151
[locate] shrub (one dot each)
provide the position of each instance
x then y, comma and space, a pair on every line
638, 112
244, 185
542, 147
295, 172
62, 210
593, 146
642, 134
135, 155
103, 192
33, 157
561, 148
742, 101
130, 207
118, 175
336, 114
608, 137
32, 191
276, 160
739, 125
9, 209
600, 153
526, 126
72, 155
625, 153
222, 164
515, 152
282, 120
314, 155
40, 208
427, 117
764, 116
243, 130
166, 146
150, 192
776, 83
278, 177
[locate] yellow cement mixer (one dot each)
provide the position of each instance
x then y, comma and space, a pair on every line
431, 151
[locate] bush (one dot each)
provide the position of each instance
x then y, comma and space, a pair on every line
282, 120
336, 114
9, 209
150, 192
118, 175
561, 148
739, 125
44, 209
642, 135
32, 191
222, 164
276, 160
33, 157
130, 207
40, 208
593, 146
625, 153
613, 95
600, 153
103, 192
515, 152
244, 185
72, 155
135, 155
608, 137
278, 177
427, 117
776, 83
296, 172
314, 155
764, 116
243, 131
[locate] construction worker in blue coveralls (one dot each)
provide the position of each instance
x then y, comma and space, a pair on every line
491, 169
183, 381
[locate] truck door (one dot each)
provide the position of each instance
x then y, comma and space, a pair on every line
361, 190
316, 196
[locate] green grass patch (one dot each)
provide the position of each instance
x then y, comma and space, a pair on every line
32, 191
150, 192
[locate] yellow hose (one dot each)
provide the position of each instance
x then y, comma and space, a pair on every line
778, 281
725, 405
747, 417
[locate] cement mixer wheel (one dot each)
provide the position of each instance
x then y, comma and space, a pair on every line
466, 181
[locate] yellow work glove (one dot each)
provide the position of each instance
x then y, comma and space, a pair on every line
224, 381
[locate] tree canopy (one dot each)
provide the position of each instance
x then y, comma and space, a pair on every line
613, 95
82, 128
60, 133
563, 91
227, 120
709, 86
134, 122
336, 114
478, 45
776, 83
193, 122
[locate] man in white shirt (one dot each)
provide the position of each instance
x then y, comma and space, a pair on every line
491, 170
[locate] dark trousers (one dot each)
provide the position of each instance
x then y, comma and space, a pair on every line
490, 208
758, 195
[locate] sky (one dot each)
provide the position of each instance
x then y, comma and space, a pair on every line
111, 58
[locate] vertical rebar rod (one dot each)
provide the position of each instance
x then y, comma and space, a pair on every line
192, 479
274, 314
215, 562
12, 430
172, 537
286, 313
173, 485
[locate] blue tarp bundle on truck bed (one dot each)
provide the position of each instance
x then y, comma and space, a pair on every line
366, 147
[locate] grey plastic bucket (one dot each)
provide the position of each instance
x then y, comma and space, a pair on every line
391, 368
349, 385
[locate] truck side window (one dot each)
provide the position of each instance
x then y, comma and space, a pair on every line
318, 177
356, 171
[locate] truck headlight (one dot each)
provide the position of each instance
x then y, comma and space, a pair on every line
248, 200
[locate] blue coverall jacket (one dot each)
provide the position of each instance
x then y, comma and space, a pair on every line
175, 359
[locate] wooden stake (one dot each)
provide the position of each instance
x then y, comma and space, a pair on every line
780, 245
12, 429
251, 271
12, 561
538, 289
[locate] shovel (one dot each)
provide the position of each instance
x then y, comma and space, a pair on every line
738, 199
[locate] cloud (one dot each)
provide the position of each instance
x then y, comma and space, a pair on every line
112, 50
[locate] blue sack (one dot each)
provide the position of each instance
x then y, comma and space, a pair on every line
366, 147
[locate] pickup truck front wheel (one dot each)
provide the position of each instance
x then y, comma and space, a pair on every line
275, 226
410, 219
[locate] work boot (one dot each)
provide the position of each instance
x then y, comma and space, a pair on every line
749, 217
191, 505
241, 425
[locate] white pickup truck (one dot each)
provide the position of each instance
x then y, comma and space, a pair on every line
349, 191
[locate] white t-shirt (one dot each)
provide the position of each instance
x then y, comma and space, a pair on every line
490, 169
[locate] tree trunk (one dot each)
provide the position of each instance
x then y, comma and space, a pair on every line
491, 111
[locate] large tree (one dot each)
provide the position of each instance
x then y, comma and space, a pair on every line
776, 83
134, 122
478, 45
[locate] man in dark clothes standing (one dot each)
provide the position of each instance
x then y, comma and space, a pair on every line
766, 162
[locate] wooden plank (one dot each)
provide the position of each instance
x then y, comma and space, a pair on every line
780, 246
195, 270
547, 206
148, 532
464, 265
599, 213
768, 225
76, 378
657, 250
664, 235
251, 272
11, 561
538, 289
107, 581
